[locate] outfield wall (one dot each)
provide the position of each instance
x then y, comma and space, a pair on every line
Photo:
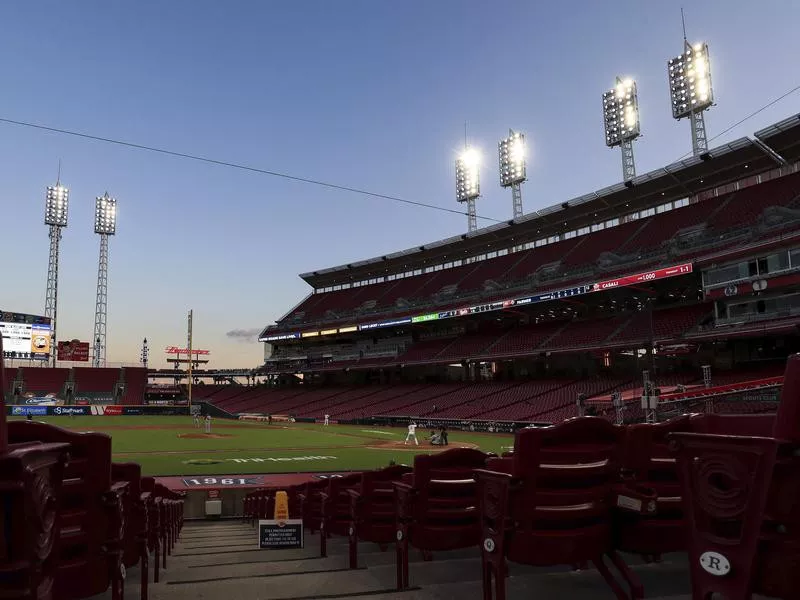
110, 410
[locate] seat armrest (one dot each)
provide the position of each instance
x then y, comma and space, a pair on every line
500, 465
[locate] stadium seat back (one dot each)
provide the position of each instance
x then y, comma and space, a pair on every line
88, 527
742, 495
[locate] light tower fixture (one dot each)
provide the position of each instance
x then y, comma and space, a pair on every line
55, 216
621, 122
690, 90
468, 184
145, 354
512, 154
105, 225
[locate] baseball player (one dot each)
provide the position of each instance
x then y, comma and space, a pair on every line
412, 433
327, 420
208, 423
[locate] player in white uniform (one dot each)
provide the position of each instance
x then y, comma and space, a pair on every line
208, 423
412, 433
196, 420
327, 419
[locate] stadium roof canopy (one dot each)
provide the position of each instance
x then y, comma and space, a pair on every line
773, 146
783, 137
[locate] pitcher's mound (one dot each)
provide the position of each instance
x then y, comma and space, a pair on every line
204, 436
423, 445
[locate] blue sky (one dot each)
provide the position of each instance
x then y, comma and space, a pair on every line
366, 93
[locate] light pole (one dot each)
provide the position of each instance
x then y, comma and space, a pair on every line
55, 215
468, 184
145, 353
512, 153
690, 90
621, 122
105, 225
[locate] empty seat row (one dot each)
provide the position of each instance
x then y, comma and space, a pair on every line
722, 488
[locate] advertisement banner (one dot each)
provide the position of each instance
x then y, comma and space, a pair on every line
155, 410
69, 410
111, 410
22, 411
74, 350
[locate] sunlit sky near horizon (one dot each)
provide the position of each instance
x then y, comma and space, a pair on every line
359, 93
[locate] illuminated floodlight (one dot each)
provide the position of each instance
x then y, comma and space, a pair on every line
690, 81
512, 153
621, 113
468, 181
105, 215
56, 206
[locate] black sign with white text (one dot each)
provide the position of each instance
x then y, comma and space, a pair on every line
275, 535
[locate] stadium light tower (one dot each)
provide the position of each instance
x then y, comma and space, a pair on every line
105, 224
621, 122
690, 90
55, 215
468, 184
513, 167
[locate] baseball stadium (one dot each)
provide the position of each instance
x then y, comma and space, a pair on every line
596, 399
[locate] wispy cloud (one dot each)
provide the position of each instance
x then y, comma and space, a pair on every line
244, 335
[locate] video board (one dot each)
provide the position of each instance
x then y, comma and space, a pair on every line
25, 337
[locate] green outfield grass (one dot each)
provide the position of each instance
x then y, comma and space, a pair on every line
155, 443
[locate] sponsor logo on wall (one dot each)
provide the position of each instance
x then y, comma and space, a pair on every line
28, 410
71, 410
111, 411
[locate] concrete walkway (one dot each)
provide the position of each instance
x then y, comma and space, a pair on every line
219, 561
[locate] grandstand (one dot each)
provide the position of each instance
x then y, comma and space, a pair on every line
693, 264
688, 266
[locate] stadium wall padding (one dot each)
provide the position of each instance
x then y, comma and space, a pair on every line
97, 410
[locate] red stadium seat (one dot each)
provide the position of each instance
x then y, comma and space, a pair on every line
372, 513
90, 512
743, 491
550, 503
31, 476
436, 505
335, 508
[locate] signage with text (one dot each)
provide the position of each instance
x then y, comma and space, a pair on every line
74, 351
26, 337
226, 482
280, 535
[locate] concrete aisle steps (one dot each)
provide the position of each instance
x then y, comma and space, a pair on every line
219, 561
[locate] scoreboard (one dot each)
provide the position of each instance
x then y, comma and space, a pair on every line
25, 337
